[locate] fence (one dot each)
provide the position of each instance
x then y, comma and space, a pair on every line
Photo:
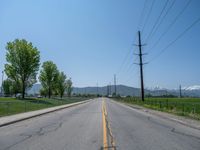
191, 109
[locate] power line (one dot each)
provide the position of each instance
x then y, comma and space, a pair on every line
122, 70
130, 77
164, 16
148, 15
172, 23
130, 66
128, 53
125, 58
142, 14
129, 69
177, 38
157, 20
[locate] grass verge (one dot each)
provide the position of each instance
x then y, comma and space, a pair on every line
10, 106
189, 107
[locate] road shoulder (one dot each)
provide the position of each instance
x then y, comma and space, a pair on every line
195, 124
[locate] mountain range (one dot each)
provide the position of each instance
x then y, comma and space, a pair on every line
191, 91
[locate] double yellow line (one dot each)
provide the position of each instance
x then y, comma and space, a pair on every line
106, 126
105, 141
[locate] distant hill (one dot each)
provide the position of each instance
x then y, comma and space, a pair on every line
121, 89
192, 91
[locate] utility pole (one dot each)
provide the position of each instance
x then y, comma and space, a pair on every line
141, 66
115, 85
180, 91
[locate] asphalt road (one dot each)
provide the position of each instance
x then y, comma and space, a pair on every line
96, 125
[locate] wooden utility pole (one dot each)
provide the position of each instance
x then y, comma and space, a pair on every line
141, 66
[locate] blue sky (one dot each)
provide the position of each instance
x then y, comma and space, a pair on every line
91, 40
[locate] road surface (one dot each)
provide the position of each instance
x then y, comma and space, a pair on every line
97, 125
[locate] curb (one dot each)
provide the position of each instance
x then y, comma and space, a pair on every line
7, 120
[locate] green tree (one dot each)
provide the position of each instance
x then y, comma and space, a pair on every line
48, 76
7, 87
16, 87
14, 77
69, 87
43, 92
61, 84
23, 62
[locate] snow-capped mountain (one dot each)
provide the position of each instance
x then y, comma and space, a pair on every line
192, 91
156, 88
191, 88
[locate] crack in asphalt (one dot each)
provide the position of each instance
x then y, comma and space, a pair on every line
42, 131
184, 134
7, 148
110, 133
150, 119
173, 130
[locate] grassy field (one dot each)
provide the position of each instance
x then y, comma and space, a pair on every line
10, 106
189, 107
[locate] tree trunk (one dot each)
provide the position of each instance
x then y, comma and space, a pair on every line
23, 89
49, 94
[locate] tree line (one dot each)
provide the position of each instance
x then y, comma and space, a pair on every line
22, 66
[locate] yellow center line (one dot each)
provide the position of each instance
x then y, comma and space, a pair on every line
105, 126
105, 144
105, 111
